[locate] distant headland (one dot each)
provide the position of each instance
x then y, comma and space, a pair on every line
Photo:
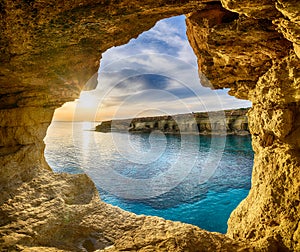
233, 122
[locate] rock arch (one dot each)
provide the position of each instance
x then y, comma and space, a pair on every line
49, 50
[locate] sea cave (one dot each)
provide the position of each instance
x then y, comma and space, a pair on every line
49, 51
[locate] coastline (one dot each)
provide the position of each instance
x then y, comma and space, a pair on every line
228, 122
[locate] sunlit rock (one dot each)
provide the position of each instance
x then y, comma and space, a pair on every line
233, 122
48, 52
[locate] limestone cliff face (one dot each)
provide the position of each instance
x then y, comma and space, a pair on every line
233, 51
261, 65
273, 202
48, 51
227, 122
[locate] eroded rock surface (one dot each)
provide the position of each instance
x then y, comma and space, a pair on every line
260, 65
64, 212
233, 52
48, 52
273, 202
233, 122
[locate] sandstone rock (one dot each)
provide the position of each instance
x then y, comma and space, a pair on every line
270, 213
290, 25
48, 51
62, 43
289, 29
235, 52
273, 201
64, 211
158, 235
58, 50
257, 9
290, 9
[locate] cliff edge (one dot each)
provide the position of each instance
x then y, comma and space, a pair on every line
232, 122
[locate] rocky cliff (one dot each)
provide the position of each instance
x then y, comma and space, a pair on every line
255, 54
232, 122
48, 52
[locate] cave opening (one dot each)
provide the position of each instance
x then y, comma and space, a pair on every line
49, 50
155, 75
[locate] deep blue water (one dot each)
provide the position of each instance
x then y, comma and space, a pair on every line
197, 180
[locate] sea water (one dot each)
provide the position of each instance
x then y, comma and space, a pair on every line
189, 178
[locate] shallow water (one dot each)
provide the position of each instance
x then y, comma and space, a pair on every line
197, 180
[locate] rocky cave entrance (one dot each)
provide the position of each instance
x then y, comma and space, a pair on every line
47, 53
157, 73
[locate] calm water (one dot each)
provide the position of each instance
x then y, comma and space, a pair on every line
197, 180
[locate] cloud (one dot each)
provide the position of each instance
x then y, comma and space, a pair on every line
168, 37
156, 74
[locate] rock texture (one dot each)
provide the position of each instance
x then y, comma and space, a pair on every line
219, 122
259, 65
233, 51
48, 51
274, 124
62, 212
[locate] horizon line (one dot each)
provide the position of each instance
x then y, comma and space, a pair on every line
126, 118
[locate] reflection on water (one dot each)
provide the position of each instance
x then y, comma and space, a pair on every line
73, 148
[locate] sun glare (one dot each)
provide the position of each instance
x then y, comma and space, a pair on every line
160, 59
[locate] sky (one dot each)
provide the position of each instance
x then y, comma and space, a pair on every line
155, 74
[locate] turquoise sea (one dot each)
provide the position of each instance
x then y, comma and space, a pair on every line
189, 178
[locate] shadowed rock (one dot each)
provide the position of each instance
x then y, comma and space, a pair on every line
49, 50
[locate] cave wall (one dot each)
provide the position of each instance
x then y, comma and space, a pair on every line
48, 52
273, 202
255, 55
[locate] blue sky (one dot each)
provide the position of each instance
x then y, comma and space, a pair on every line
155, 74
